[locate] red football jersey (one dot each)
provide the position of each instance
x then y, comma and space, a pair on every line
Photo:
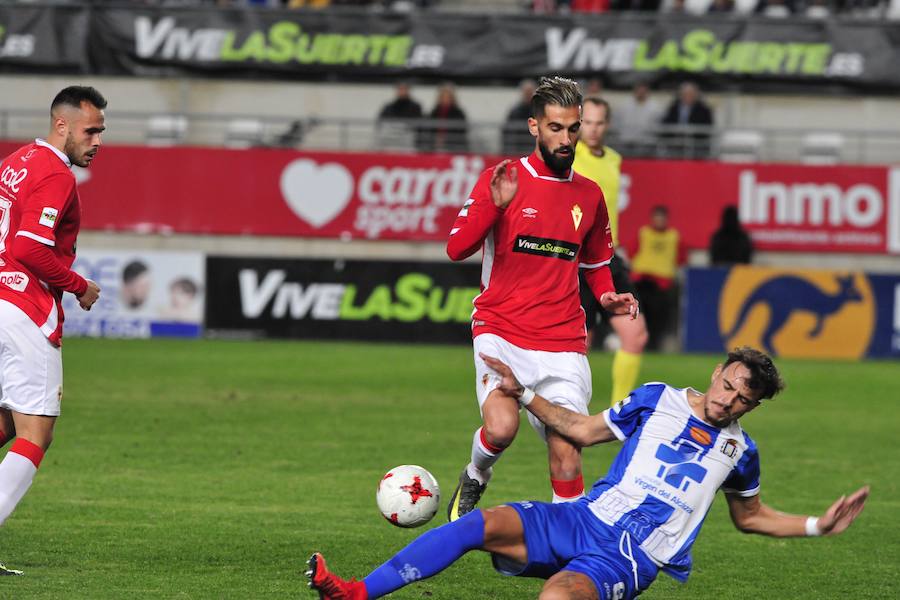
532, 252
38, 200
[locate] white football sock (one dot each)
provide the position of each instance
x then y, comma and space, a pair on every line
483, 459
16, 474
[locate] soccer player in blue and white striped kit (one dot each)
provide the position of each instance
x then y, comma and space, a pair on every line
680, 447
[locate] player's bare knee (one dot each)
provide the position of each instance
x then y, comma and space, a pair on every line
500, 430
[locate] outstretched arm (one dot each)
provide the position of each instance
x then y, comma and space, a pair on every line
752, 516
584, 430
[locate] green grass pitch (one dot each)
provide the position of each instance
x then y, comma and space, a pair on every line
212, 469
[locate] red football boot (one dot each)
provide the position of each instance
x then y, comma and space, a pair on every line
329, 585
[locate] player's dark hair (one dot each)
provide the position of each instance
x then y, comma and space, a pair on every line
133, 270
600, 102
661, 209
764, 377
554, 90
74, 95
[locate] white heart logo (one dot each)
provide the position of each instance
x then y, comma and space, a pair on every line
316, 193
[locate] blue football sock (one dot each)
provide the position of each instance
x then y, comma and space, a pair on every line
427, 555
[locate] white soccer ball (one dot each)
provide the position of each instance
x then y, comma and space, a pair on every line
408, 496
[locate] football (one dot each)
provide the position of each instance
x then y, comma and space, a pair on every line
408, 496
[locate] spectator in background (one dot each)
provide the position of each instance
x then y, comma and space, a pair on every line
721, 6
689, 111
730, 244
637, 120
590, 6
593, 87
447, 130
654, 269
603, 165
517, 139
396, 128
635, 5
402, 106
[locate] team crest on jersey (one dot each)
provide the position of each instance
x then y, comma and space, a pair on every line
576, 216
728, 448
48, 216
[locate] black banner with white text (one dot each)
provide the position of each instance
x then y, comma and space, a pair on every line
328, 299
751, 53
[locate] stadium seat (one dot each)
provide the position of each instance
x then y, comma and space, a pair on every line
244, 133
821, 148
166, 130
740, 146
395, 136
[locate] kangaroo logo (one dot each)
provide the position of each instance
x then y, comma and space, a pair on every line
679, 465
797, 312
787, 294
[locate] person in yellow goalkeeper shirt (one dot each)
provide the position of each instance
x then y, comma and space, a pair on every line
602, 164
654, 270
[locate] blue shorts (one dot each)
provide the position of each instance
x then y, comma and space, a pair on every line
568, 537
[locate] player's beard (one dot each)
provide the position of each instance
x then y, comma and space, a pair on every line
71, 151
558, 164
720, 423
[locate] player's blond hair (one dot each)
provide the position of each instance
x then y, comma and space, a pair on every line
555, 90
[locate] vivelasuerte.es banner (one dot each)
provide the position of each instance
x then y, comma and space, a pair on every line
43, 39
622, 47
336, 299
356, 45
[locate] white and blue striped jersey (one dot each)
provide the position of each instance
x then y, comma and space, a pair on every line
663, 481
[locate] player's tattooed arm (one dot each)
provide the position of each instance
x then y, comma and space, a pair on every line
583, 430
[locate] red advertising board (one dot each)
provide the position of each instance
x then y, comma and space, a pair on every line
416, 197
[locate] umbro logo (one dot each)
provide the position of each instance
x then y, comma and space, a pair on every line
529, 213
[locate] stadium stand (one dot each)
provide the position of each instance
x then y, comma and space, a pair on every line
822, 148
166, 130
740, 146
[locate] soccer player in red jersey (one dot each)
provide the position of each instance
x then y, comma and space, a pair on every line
537, 222
40, 215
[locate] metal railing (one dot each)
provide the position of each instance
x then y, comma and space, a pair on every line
425, 135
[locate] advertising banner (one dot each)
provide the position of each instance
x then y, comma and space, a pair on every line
408, 197
43, 39
142, 40
361, 300
142, 294
238, 42
793, 312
